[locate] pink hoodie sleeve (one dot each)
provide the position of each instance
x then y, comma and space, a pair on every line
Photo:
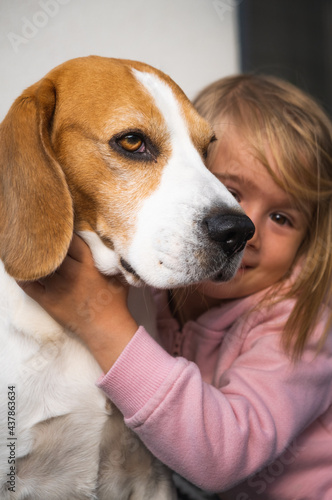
218, 436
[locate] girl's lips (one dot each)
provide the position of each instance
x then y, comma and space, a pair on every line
244, 267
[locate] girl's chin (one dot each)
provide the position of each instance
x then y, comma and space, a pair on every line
233, 289
221, 290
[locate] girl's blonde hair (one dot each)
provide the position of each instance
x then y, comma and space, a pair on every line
272, 112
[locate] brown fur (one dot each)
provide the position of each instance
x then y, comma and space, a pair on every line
28, 169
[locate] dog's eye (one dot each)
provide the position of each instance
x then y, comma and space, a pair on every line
133, 143
135, 146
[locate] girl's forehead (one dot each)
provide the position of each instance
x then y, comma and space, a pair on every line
238, 146
233, 148
236, 160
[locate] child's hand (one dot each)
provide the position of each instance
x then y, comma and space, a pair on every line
88, 303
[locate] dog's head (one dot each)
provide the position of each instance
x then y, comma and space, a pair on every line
115, 151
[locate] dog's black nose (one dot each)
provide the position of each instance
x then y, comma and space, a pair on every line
231, 231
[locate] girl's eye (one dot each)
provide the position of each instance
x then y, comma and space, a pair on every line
234, 194
280, 219
133, 143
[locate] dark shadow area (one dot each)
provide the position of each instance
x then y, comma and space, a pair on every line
289, 39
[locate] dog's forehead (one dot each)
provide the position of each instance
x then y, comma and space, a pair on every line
174, 106
112, 93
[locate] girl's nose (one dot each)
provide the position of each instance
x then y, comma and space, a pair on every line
254, 242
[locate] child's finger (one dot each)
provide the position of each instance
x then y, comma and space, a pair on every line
69, 268
78, 249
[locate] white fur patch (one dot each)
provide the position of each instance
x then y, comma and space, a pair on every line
106, 260
22, 314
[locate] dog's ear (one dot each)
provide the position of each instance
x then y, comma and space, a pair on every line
36, 213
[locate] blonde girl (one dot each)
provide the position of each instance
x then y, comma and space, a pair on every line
245, 406
272, 112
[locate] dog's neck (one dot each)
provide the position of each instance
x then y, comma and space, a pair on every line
23, 314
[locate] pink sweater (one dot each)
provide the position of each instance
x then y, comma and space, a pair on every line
233, 413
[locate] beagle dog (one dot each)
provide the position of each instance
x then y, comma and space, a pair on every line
113, 150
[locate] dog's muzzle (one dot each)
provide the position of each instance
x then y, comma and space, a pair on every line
212, 250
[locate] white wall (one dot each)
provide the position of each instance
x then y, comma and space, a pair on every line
194, 41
